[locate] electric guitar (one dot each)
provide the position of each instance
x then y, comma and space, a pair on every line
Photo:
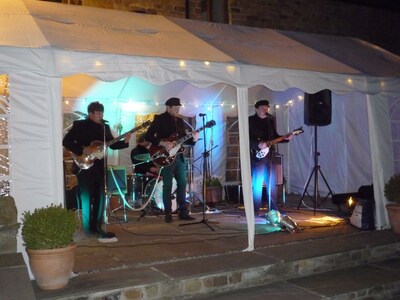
85, 161
160, 156
261, 153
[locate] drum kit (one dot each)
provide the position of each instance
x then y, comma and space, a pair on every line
146, 190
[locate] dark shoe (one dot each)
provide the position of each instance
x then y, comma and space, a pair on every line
168, 218
186, 217
103, 234
106, 235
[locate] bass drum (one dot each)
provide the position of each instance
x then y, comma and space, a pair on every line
158, 191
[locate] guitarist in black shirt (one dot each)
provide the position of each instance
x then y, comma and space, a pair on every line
79, 140
163, 132
262, 131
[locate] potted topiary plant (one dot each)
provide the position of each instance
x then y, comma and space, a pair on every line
48, 237
213, 191
392, 194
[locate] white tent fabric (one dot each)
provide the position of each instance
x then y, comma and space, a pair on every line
40, 43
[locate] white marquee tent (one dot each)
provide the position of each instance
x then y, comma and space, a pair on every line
41, 43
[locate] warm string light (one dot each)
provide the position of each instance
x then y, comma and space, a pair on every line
4, 134
132, 105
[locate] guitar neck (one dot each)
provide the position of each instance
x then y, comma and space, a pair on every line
113, 141
188, 136
277, 140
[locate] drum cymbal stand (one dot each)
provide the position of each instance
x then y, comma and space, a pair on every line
192, 196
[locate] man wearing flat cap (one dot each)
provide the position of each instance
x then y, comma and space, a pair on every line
262, 131
164, 131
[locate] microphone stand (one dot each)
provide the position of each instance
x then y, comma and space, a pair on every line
106, 200
206, 176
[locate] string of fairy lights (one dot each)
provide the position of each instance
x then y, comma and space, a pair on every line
4, 145
131, 105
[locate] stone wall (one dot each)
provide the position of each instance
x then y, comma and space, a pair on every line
371, 23
8, 225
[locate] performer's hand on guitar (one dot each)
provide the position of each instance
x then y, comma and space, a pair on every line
127, 138
167, 145
289, 136
262, 145
87, 150
195, 135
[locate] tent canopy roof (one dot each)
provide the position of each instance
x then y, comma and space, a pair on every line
160, 49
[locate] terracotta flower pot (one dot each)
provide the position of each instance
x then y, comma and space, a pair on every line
214, 194
394, 216
52, 267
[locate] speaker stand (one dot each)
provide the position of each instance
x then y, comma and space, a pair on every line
315, 172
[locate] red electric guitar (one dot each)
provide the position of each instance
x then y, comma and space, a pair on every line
160, 156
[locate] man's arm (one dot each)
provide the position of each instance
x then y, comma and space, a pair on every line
70, 140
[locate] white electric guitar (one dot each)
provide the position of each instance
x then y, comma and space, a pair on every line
261, 153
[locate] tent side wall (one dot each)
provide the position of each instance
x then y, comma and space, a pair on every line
36, 150
381, 153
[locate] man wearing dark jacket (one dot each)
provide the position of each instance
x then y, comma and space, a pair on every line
165, 129
86, 142
262, 131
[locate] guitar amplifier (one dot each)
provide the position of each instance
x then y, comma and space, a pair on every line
116, 179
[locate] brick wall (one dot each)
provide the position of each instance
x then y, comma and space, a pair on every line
376, 25
197, 9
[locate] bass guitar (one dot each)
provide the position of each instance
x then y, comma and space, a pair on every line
85, 161
160, 156
261, 153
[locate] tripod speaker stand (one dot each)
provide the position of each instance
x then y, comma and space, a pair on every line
315, 172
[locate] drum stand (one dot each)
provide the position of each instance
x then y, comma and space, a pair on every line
192, 196
206, 175
108, 197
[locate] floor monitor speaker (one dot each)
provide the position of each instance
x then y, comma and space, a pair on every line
116, 180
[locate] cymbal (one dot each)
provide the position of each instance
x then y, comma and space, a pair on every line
142, 157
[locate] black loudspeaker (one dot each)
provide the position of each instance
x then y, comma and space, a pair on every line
116, 180
318, 108
234, 194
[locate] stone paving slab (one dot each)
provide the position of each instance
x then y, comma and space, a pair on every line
154, 258
275, 291
214, 264
349, 280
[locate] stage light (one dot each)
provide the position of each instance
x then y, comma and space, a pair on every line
273, 217
350, 202
288, 224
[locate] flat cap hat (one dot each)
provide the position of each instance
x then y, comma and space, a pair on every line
261, 102
173, 102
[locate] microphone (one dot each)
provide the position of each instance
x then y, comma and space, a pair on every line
201, 115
